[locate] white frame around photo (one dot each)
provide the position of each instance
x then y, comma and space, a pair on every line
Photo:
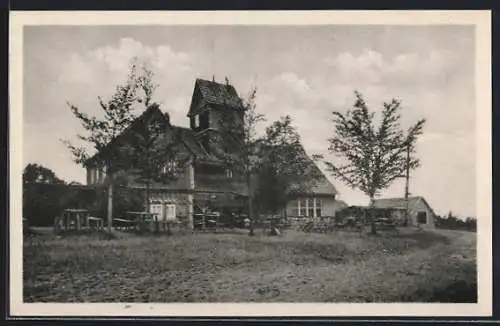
480, 19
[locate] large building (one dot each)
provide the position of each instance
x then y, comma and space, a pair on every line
204, 180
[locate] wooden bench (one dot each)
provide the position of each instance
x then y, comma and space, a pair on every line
124, 224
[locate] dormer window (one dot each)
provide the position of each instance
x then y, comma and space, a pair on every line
169, 168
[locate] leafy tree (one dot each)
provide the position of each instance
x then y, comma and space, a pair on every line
285, 168
374, 155
35, 173
150, 155
239, 144
102, 133
271, 163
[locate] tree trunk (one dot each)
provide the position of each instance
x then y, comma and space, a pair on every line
110, 204
250, 204
190, 173
373, 228
250, 217
147, 196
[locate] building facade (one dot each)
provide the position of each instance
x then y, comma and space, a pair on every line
203, 180
320, 200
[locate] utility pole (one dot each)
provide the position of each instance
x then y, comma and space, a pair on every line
407, 176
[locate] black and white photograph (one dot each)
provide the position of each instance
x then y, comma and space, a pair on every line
315, 162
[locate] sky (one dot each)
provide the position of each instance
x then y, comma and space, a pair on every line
304, 71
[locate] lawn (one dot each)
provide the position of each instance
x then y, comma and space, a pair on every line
412, 266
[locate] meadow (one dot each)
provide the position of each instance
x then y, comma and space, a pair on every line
410, 266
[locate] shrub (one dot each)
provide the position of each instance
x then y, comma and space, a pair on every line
43, 202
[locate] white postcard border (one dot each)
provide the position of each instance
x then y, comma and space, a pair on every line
482, 22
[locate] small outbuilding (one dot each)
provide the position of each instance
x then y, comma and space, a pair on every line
420, 213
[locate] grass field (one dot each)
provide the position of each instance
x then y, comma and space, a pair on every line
425, 266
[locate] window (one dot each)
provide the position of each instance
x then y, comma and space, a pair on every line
204, 121
157, 209
317, 207
294, 205
310, 207
229, 173
422, 218
154, 127
170, 212
170, 168
302, 207
196, 121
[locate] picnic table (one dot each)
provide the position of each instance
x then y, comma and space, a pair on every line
72, 219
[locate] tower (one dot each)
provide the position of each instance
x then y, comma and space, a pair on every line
216, 115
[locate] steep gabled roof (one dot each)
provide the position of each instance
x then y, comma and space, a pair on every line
324, 187
215, 93
321, 186
188, 137
134, 125
182, 135
400, 203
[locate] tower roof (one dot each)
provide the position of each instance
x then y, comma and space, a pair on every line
211, 92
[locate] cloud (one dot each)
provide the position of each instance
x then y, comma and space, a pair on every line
448, 139
287, 91
294, 83
115, 61
415, 69
97, 72
76, 69
367, 66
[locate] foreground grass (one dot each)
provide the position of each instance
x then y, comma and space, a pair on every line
297, 267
